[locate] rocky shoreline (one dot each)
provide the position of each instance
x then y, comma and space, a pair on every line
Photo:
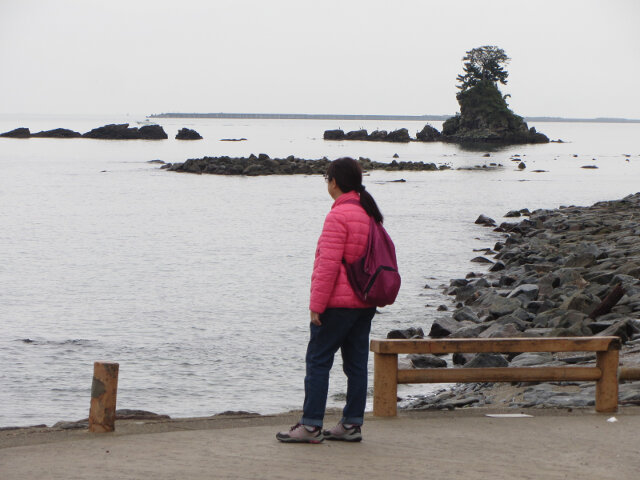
265, 165
572, 271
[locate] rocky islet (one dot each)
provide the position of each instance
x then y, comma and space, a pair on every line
262, 164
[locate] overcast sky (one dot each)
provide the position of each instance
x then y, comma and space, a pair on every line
572, 58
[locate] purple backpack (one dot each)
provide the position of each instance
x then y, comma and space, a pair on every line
374, 277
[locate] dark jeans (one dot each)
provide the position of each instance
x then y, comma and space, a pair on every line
346, 329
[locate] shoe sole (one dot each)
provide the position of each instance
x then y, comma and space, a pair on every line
344, 439
298, 440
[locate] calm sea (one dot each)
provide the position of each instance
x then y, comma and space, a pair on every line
198, 285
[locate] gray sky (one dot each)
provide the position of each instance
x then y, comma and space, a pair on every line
573, 58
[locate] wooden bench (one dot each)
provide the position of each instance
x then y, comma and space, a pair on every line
387, 376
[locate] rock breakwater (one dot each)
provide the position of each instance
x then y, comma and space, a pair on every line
572, 271
262, 164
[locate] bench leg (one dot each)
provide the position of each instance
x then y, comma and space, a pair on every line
607, 386
385, 385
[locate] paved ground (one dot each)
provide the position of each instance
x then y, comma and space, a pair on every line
436, 445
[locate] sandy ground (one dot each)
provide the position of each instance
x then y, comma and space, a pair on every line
461, 444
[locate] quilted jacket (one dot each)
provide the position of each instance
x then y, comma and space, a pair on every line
344, 234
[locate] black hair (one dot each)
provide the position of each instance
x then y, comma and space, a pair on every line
347, 173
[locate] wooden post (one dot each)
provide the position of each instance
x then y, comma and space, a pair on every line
102, 415
385, 385
607, 386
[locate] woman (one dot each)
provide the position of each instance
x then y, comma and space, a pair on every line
339, 319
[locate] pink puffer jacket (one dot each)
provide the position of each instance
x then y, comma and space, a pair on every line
344, 235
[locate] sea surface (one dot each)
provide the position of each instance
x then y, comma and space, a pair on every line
198, 285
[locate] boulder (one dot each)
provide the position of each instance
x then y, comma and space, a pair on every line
379, 136
57, 133
356, 135
124, 132
531, 359
498, 330
504, 306
469, 330
334, 135
152, 132
21, 132
443, 327
525, 292
483, 360
426, 361
481, 260
466, 314
188, 134
486, 221
411, 332
428, 134
461, 358
400, 136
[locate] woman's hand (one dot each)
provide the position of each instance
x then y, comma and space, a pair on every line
315, 318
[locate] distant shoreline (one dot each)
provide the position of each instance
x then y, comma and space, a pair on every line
305, 116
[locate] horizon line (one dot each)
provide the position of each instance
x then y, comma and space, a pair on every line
312, 116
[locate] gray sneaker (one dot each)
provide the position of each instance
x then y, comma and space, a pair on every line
340, 432
299, 434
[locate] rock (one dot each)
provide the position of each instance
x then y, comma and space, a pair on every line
531, 359
57, 133
401, 136
426, 361
152, 132
581, 260
17, 133
469, 330
622, 329
498, 330
481, 260
580, 302
129, 414
411, 332
428, 134
484, 360
334, 135
395, 155
443, 327
486, 221
496, 267
466, 314
356, 135
513, 213
504, 306
525, 292
123, 132
378, 136
442, 308
461, 358
522, 166
188, 134
486, 118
